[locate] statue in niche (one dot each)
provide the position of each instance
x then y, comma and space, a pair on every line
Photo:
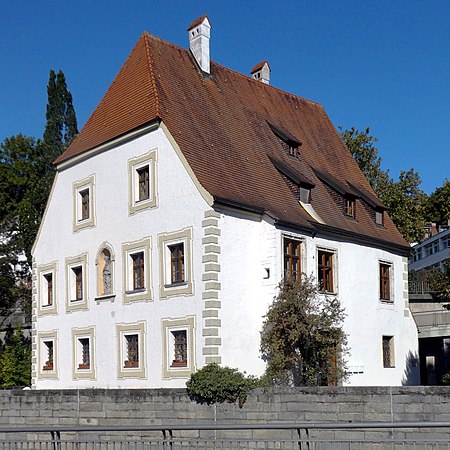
107, 288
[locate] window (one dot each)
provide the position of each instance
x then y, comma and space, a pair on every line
180, 348
305, 194
435, 246
136, 275
76, 280
177, 263
47, 354
144, 192
175, 250
83, 353
385, 281
428, 250
446, 241
83, 203
325, 271
142, 182
349, 207
291, 250
48, 365
47, 289
178, 341
131, 350
105, 272
138, 270
388, 351
379, 217
85, 211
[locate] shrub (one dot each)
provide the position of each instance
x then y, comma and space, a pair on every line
215, 384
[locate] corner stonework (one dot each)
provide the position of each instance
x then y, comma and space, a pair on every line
34, 308
405, 286
211, 288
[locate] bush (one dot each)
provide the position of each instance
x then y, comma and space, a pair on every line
215, 384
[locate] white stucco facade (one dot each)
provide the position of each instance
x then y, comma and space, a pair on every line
233, 262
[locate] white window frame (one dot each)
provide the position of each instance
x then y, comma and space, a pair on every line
128, 250
78, 187
71, 263
77, 334
334, 268
168, 327
165, 241
391, 281
43, 306
122, 331
43, 338
134, 165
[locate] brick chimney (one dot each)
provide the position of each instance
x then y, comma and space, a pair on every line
198, 32
261, 72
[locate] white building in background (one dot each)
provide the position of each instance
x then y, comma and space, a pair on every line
188, 195
432, 251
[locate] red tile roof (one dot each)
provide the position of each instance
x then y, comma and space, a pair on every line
221, 124
259, 66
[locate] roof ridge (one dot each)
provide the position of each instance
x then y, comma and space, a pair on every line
247, 77
265, 86
146, 36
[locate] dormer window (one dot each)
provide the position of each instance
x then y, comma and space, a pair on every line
289, 143
305, 194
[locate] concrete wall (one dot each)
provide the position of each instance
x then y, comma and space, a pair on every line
99, 407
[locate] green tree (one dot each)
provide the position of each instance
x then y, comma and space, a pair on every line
404, 199
15, 361
438, 205
302, 338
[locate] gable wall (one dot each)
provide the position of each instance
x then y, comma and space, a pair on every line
179, 206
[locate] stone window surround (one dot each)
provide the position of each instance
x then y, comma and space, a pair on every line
130, 248
166, 289
77, 188
334, 268
42, 338
76, 305
123, 330
167, 327
80, 333
134, 164
45, 269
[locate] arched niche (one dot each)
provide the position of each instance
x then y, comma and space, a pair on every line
105, 270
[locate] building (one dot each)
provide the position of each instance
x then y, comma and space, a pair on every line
187, 196
432, 319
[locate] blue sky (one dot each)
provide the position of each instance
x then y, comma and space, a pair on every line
382, 64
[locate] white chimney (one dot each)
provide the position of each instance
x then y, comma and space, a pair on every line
199, 31
261, 72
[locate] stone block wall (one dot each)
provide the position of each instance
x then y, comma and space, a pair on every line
122, 407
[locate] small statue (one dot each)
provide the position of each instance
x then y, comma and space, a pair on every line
107, 288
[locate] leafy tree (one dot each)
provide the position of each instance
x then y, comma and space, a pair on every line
15, 361
438, 205
302, 336
404, 199
215, 384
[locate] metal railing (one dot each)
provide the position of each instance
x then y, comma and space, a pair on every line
284, 436
419, 287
